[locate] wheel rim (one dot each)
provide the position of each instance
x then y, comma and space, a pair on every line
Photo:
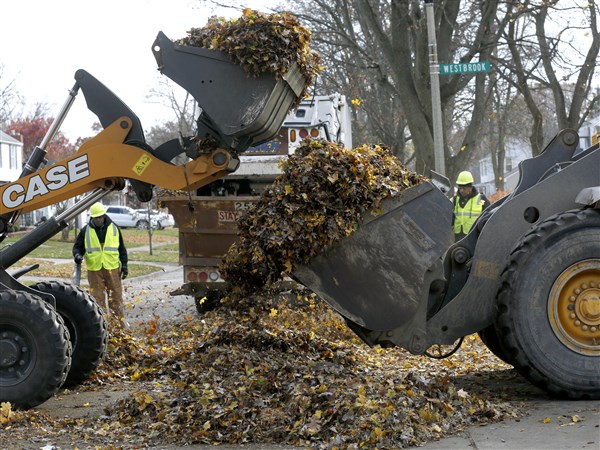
574, 307
18, 355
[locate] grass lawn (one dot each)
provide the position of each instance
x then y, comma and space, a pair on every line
165, 249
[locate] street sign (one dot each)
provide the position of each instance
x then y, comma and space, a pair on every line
475, 67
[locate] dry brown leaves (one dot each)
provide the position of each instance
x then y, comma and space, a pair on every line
321, 196
277, 369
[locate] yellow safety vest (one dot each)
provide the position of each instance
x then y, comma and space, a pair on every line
464, 218
97, 256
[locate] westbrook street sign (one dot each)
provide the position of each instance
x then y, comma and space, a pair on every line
474, 67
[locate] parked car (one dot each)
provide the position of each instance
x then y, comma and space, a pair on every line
158, 219
123, 216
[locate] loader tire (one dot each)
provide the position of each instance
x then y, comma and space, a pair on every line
86, 324
548, 316
35, 351
491, 340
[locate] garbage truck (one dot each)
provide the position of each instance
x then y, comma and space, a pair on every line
207, 220
526, 278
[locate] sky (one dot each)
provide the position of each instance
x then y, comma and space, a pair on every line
44, 42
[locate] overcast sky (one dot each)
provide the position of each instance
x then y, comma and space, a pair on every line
44, 42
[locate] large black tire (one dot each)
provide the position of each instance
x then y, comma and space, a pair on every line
86, 324
547, 318
491, 340
35, 351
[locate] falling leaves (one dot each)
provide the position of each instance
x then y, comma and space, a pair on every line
321, 197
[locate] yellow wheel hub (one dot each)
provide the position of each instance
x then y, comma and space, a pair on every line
574, 307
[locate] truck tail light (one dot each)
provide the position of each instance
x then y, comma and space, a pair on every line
303, 133
314, 132
292, 135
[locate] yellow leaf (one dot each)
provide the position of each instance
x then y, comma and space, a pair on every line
273, 312
5, 413
206, 425
288, 189
576, 418
356, 101
547, 420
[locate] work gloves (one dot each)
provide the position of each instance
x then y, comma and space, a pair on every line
124, 272
78, 258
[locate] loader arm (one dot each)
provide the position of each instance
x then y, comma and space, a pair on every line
104, 162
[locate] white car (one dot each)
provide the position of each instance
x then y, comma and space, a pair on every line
158, 219
123, 216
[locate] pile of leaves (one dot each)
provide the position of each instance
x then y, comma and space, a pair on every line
286, 371
321, 196
260, 43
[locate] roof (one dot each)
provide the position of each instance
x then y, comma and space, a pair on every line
8, 138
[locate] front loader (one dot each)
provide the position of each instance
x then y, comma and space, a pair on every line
526, 277
53, 333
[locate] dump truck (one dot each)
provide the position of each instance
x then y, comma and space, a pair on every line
526, 278
207, 220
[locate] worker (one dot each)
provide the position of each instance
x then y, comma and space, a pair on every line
105, 257
468, 205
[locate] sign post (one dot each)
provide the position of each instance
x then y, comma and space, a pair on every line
436, 103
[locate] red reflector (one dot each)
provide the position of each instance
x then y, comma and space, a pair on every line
192, 276
303, 133
202, 276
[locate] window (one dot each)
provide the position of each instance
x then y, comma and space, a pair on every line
12, 151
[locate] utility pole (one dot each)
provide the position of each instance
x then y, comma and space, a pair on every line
436, 103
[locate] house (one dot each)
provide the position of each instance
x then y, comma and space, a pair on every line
11, 166
11, 157
517, 150
589, 132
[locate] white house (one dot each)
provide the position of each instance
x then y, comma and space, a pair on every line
517, 150
11, 165
11, 157
589, 133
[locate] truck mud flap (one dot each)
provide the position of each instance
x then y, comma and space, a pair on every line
376, 277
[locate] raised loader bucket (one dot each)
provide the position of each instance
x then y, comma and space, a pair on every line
242, 110
376, 276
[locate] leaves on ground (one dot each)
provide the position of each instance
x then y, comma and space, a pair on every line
281, 368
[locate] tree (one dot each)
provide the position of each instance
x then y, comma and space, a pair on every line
539, 59
33, 129
383, 48
9, 98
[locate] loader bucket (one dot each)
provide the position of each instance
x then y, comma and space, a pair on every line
242, 110
376, 276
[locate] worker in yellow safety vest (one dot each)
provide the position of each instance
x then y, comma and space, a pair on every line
468, 205
101, 242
